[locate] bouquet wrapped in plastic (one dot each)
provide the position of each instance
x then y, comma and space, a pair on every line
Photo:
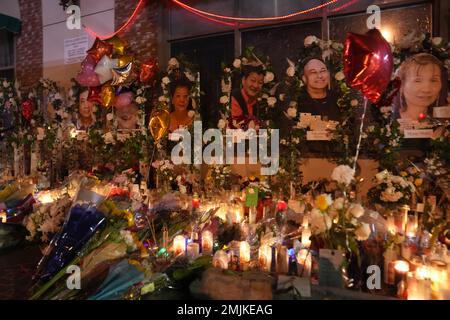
80, 225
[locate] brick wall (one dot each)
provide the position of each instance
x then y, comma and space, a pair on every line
29, 48
142, 32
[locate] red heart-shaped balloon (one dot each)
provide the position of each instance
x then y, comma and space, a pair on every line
368, 63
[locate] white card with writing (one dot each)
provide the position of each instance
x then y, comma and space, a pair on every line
441, 112
418, 133
322, 135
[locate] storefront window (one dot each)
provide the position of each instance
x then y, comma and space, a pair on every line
395, 23
6, 54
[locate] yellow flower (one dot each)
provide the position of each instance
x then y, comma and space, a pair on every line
403, 173
418, 182
323, 201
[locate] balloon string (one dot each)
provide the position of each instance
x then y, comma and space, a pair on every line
358, 146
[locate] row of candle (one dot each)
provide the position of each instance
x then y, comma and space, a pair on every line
222, 259
181, 245
425, 282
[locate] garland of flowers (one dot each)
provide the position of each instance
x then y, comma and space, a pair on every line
180, 68
384, 138
267, 99
294, 92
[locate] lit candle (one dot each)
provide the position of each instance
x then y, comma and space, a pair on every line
282, 260
195, 203
244, 254
3, 217
193, 250
220, 260
304, 263
411, 227
207, 242
306, 234
390, 256
401, 269
390, 225
402, 219
305, 222
179, 245
265, 257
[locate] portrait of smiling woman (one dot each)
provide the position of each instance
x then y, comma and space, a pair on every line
423, 86
181, 114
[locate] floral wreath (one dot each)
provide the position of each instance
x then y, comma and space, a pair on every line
384, 138
267, 99
178, 68
331, 53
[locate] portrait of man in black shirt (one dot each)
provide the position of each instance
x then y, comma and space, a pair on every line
319, 99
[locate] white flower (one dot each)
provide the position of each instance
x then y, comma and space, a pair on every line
290, 71
370, 128
319, 222
108, 137
338, 203
140, 100
165, 80
354, 103
309, 40
237, 63
191, 113
283, 141
5, 84
292, 112
339, 76
382, 175
336, 45
269, 76
109, 117
343, 174
356, 210
326, 54
222, 123
363, 232
162, 99
271, 101
224, 99
173, 62
282, 96
436, 41
390, 195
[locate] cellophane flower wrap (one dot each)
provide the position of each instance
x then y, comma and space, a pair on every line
80, 225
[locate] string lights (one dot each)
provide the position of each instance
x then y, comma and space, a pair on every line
218, 16
125, 25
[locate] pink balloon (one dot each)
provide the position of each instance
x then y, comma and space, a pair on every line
87, 76
123, 100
